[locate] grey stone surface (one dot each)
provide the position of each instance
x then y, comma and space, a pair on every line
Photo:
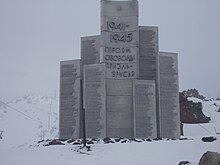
94, 96
148, 52
145, 125
90, 50
69, 111
119, 115
119, 38
169, 95
119, 8
210, 158
119, 87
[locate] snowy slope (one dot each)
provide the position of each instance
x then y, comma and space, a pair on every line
210, 109
25, 121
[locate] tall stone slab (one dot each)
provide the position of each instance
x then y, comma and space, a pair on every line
90, 50
148, 52
70, 103
119, 38
145, 125
169, 95
119, 52
94, 100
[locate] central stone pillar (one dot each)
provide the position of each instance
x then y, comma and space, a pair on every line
119, 52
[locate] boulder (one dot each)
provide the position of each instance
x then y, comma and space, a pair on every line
184, 163
208, 139
210, 158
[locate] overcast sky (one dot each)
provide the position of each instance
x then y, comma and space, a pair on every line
35, 35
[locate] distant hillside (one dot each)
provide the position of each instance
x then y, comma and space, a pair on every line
29, 118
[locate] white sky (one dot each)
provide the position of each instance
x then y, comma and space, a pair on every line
35, 35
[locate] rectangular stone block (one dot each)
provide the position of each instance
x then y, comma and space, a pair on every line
90, 50
94, 99
144, 98
120, 39
169, 95
69, 111
119, 116
148, 52
119, 103
119, 8
119, 87
120, 132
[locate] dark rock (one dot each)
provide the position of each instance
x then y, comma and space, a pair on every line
56, 142
124, 141
210, 158
148, 140
95, 140
107, 139
40, 141
70, 141
118, 139
193, 93
191, 112
156, 139
77, 143
90, 142
208, 139
184, 163
183, 138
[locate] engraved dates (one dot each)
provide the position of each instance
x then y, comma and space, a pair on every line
121, 37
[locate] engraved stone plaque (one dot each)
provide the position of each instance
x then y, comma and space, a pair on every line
145, 125
69, 123
90, 50
94, 94
148, 52
119, 116
120, 38
169, 95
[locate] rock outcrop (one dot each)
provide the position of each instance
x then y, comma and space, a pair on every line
210, 158
191, 112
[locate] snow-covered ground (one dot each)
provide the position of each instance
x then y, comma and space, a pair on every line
26, 120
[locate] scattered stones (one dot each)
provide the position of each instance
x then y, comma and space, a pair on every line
183, 138
184, 163
210, 158
148, 140
208, 139
90, 142
70, 141
124, 141
118, 139
55, 142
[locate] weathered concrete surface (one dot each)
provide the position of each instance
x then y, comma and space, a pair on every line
119, 87
90, 50
148, 52
94, 96
119, 38
69, 111
169, 95
144, 98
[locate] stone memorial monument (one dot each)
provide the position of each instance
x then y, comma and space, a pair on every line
126, 86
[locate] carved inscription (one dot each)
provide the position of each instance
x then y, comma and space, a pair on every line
121, 37
120, 60
95, 100
144, 108
169, 95
90, 50
69, 99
